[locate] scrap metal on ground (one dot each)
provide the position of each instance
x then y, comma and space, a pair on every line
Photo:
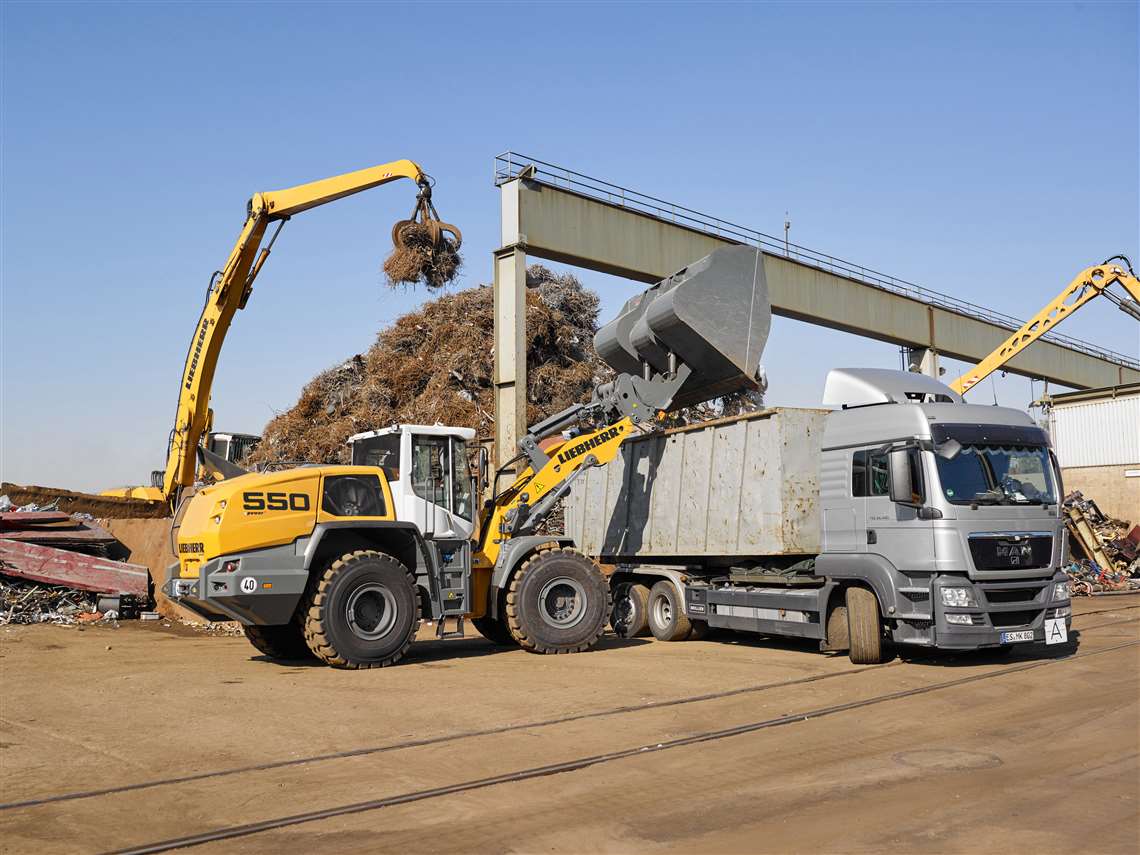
54, 566
1109, 549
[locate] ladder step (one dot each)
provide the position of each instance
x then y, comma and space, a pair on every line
441, 631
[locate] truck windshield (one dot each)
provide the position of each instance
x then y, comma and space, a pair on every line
998, 475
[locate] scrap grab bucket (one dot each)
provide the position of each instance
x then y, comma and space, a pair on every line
708, 322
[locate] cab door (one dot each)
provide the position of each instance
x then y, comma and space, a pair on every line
894, 530
441, 486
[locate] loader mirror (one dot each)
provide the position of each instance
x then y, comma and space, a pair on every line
905, 487
482, 468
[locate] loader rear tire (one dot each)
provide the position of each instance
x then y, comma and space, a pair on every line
279, 642
667, 620
558, 602
629, 616
864, 627
363, 611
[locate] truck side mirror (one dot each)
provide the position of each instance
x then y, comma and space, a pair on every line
901, 472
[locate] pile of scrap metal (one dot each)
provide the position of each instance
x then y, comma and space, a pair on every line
59, 568
1106, 551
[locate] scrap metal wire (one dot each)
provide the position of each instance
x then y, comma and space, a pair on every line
23, 602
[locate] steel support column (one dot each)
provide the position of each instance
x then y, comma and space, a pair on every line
510, 351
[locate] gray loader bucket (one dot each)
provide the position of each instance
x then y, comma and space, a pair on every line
709, 321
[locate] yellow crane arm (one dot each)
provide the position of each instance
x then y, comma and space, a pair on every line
1089, 283
230, 289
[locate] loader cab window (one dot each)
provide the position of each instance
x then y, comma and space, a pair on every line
382, 452
439, 473
463, 502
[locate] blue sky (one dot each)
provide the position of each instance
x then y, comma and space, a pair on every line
985, 150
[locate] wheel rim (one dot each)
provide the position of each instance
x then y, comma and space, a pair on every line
562, 602
623, 609
662, 611
371, 611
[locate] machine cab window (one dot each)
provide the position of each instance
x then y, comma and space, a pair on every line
440, 473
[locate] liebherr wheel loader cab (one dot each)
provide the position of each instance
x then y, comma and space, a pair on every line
342, 562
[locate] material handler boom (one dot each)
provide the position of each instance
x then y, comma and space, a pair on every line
231, 287
1089, 283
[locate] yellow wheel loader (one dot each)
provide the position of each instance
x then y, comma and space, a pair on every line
342, 562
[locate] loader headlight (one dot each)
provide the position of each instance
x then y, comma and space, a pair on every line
959, 597
1060, 591
218, 519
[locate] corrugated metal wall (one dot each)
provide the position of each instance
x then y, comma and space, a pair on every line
1097, 433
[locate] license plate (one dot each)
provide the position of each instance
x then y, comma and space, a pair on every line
1055, 632
1020, 635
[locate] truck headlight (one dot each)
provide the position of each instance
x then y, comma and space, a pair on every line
960, 597
1060, 591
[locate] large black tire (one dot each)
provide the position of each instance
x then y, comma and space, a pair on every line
495, 630
279, 642
629, 617
558, 602
667, 620
864, 627
363, 611
701, 629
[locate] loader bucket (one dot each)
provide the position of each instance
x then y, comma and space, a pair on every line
712, 317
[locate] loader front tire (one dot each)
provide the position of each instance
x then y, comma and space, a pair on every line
363, 611
558, 601
864, 627
279, 642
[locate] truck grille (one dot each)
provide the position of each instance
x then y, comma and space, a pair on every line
1006, 619
1012, 595
1011, 551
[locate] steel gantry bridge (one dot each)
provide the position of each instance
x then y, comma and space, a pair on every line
557, 214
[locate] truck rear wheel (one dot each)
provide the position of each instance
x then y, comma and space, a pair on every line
558, 602
279, 642
363, 611
629, 617
864, 627
667, 619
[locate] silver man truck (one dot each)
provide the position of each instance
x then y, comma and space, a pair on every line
897, 512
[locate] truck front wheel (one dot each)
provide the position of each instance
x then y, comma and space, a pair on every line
363, 611
864, 627
558, 602
667, 620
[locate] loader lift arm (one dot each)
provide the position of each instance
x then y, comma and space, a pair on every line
692, 337
230, 289
1089, 283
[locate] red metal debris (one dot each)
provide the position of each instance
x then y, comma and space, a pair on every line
74, 569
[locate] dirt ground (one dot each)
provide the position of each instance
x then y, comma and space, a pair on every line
152, 737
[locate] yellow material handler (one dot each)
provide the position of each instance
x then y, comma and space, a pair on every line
194, 452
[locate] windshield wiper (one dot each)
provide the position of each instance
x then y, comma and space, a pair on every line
988, 497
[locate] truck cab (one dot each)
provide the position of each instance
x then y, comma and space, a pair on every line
949, 510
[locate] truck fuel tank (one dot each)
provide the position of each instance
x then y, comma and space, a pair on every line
711, 318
